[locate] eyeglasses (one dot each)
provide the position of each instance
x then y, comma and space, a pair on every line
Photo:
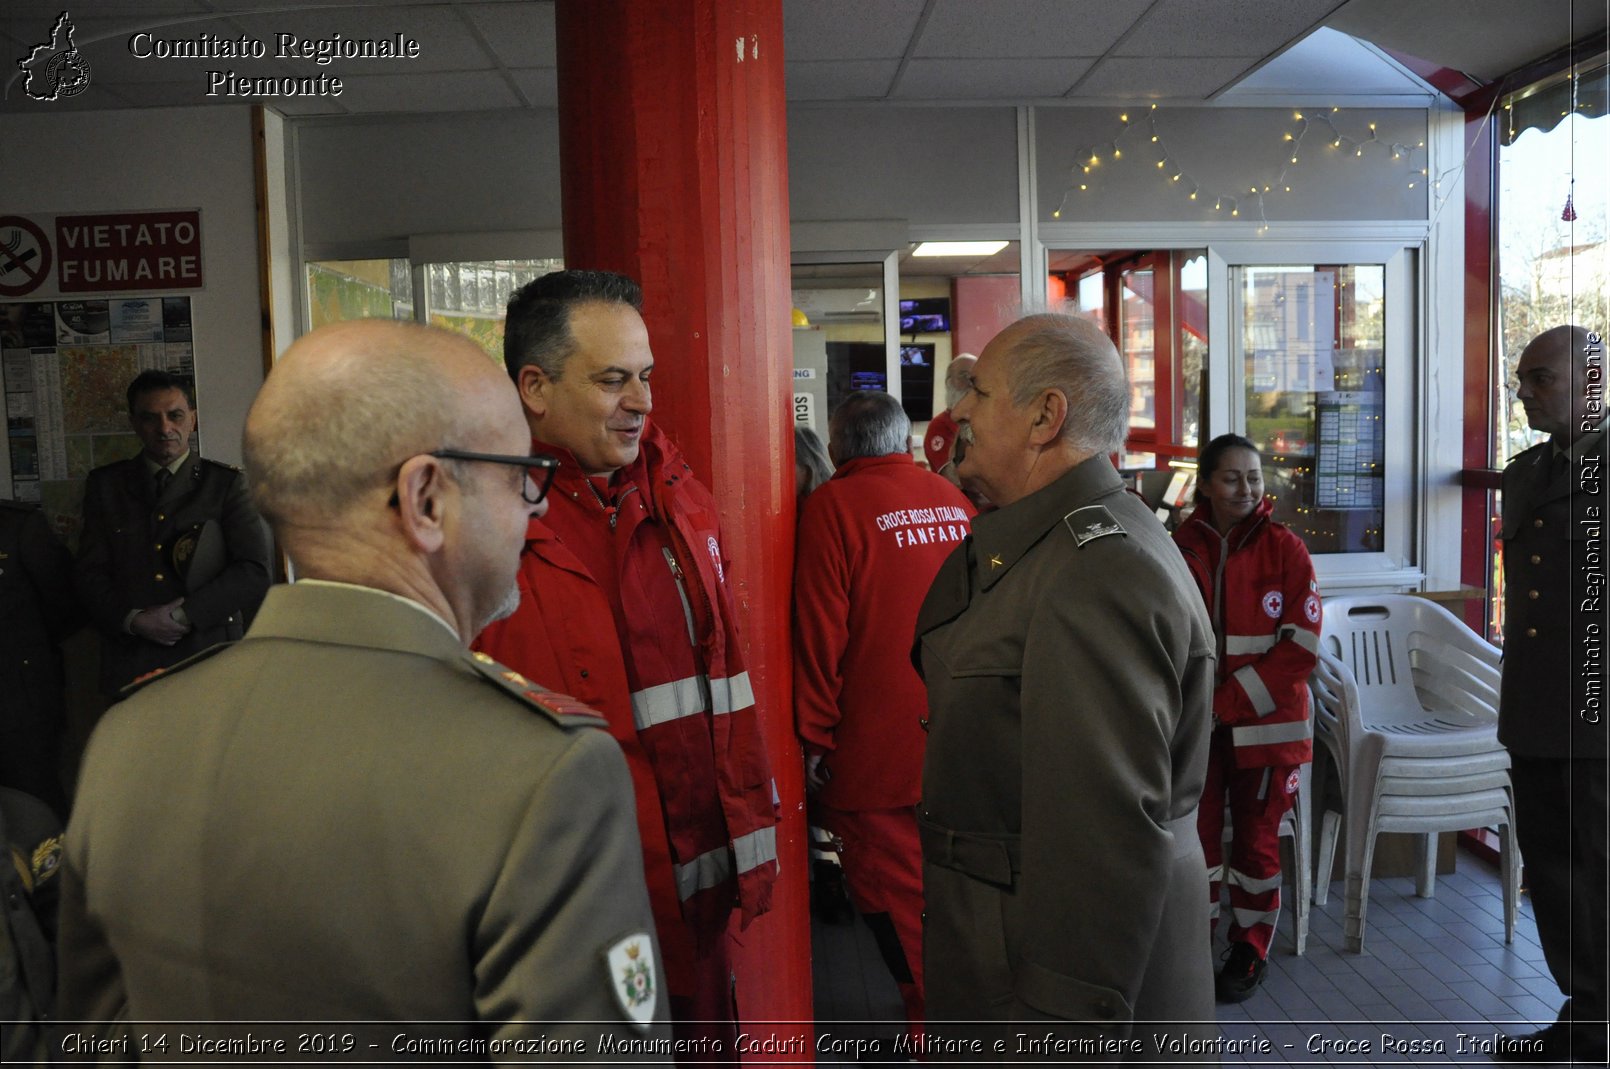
539, 470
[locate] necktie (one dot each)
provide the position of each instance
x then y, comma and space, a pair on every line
162, 477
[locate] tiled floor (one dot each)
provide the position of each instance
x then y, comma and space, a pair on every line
1432, 969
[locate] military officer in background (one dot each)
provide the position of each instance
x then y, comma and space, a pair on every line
39, 609
1551, 700
173, 558
1069, 666
346, 816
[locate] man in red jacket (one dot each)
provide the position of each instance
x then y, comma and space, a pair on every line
870, 541
625, 605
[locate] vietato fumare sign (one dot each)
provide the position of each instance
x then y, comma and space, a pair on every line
111, 252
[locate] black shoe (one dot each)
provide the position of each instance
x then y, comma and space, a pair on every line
1242, 973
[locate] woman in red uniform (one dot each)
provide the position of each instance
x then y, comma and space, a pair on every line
1258, 582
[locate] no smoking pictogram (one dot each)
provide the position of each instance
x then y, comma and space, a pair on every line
24, 256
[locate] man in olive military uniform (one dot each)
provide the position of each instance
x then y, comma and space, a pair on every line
1069, 665
39, 609
346, 816
172, 558
31, 836
1552, 697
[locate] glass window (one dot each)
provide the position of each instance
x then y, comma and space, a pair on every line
1137, 326
470, 297
1313, 350
339, 290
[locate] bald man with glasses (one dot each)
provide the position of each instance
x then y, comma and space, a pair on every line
347, 816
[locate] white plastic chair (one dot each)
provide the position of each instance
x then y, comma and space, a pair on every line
1406, 698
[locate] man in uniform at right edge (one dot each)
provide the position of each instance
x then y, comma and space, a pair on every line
1069, 664
1551, 702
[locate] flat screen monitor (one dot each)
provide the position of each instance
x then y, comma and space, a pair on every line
925, 315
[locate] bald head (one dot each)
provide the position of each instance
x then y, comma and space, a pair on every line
1561, 381
349, 402
1074, 356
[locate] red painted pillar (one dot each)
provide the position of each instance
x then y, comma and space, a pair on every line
674, 168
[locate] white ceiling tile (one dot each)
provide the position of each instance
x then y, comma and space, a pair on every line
1175, 79
427, 92
520, 35
848, 29
539, 84
851, 79
988, 79
1222, 27
1026, 28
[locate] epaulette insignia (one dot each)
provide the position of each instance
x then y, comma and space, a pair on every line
560, 707
139, 682
1092, 522
46, 859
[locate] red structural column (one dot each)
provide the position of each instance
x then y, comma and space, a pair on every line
673, 158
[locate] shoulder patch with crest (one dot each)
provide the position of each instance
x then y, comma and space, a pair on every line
561, 708
1092, 522
630, 967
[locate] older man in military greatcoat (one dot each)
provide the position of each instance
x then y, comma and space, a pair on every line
1552, 698
1069, 665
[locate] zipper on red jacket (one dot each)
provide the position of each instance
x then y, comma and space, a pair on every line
612, 511
682, 592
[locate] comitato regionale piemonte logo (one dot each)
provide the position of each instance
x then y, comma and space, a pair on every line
55, 69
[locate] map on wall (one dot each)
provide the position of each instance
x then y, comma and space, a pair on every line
65, 367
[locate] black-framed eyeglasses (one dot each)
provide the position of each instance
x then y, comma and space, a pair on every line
539, 470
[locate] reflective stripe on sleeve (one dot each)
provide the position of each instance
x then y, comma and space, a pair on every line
1267, 734
1308, 640
1262, 702
755, 849
1242, 645
668, 701
732, 693
709, 869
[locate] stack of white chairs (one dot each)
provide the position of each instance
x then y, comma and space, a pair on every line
1406, 699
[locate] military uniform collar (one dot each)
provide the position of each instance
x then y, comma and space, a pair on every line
174, 468
1584, 445
1002, 537
345, 614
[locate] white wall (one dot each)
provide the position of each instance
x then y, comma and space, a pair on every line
928, 166
382, 179
86, 161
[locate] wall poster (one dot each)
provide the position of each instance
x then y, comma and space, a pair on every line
65, 366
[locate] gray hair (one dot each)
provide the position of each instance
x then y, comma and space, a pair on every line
869, 423
958, 378
314, 445
811, 454
1075, 357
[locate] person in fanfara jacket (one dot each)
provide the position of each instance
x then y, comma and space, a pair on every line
625, 604
870, 541
1258, 582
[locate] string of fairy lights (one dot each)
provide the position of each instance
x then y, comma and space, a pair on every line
1176, 172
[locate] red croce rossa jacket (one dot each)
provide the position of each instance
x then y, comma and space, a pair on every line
870, 541
1258, 582
688, 724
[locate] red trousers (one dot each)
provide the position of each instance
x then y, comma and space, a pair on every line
707, 1016
882, 859
1257, 799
